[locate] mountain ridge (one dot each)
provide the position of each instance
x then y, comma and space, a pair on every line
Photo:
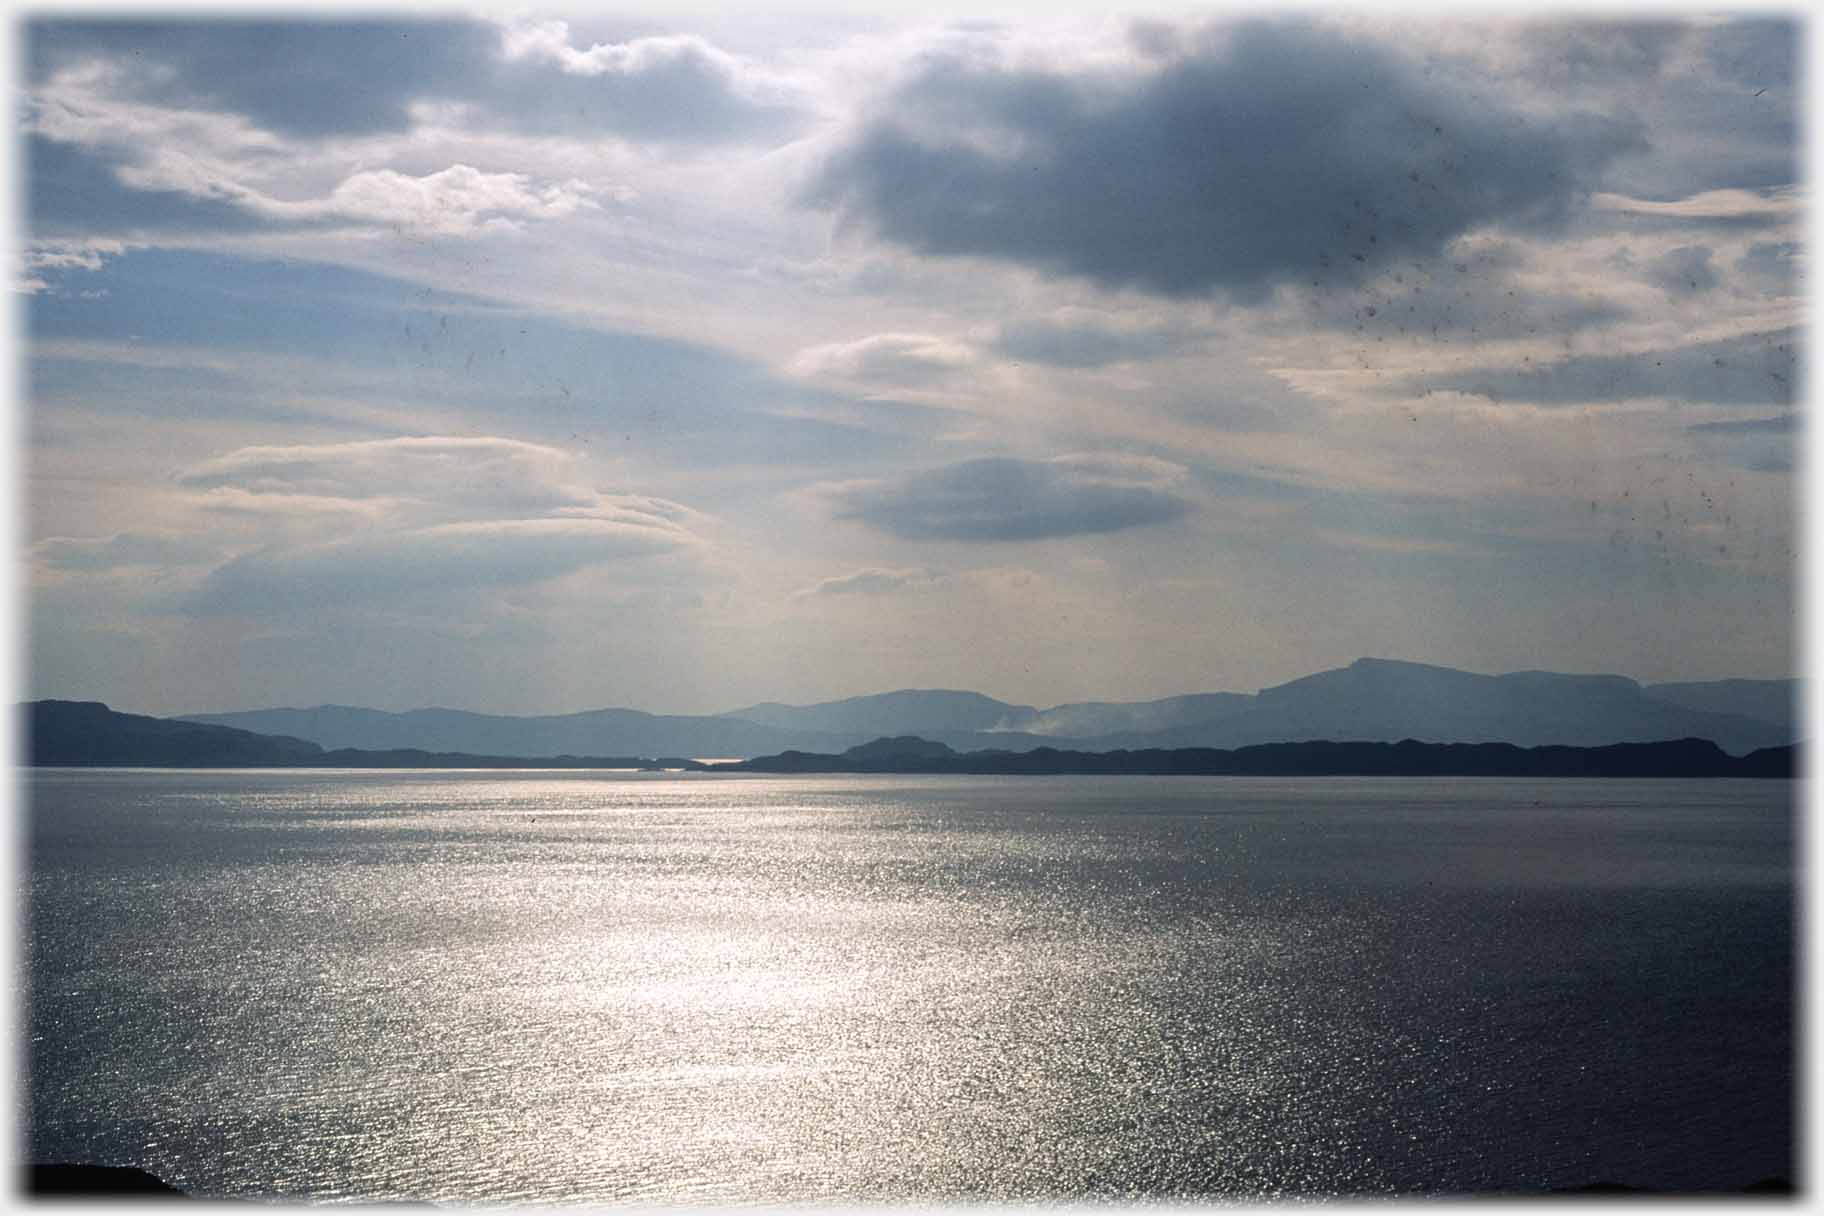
1369, 700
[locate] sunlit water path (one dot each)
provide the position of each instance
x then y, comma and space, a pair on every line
585, 987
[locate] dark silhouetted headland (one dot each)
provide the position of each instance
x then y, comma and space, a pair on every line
88, 733
1673, 758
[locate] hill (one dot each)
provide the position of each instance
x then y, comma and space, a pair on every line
602, 732
1689, 758
89, 733
1384, 700
1370, 700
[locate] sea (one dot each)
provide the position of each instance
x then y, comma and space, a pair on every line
587, 987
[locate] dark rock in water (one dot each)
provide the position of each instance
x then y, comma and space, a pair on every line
1771, 1186
69, 1181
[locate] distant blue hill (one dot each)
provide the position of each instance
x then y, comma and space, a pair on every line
1371, 700
1380, 700
1775, 701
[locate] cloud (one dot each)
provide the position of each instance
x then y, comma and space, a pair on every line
871, 581
676, 87
1008, 499
456, 200
1683, 271
448, 473
453, 201
71, 255
1577, 53
123, 550
1742, 207
429, 565
1748, 369
1779, 424
1760, 445
384, 521
891, 360
1773, 264
1079, 338
1234, 166
71, 189
300, 78
349, 78
223, 159
1476, 287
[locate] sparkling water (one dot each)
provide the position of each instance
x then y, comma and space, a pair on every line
590, 987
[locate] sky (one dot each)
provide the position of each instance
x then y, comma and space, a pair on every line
533, 362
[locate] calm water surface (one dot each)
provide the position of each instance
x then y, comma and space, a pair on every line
589, 987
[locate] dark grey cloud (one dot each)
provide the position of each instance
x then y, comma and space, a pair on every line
1752, 369
1729, 119
1756, 52
311, 79
1086, 344
303, 78
1583, 53
1779, 424
1760, 445
1683, 271
1006, 499
1235, 166
685, 94
1774, 264
1475, 295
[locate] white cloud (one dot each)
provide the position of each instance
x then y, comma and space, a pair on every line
451, 473
224, 158
456, 200
71, 254
892, 360
420, 516
90, 254
1778, 204
872, 581
550, 41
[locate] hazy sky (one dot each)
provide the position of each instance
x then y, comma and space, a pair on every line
544, 363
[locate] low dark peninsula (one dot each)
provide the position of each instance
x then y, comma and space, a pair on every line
89, 734
1409, 758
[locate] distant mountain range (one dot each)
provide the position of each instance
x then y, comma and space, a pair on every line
1371, 700
88, 733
